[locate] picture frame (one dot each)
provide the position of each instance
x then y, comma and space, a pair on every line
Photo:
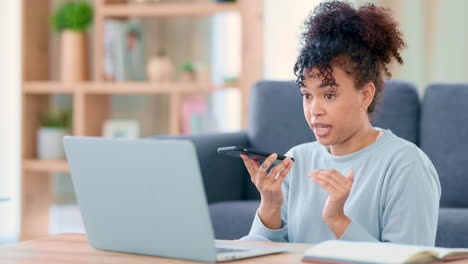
121, 129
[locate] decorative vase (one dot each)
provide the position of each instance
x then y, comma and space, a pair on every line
160, 69
49, 143
187, 76
74, 57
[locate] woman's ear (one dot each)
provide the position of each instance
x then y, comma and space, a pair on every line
368, 93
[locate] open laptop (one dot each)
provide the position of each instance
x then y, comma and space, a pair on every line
147, 197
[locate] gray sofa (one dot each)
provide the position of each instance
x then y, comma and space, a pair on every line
438, 124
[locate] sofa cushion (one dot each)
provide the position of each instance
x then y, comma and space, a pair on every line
276, 119
452, 228
444, 138
277, 122
233, 219
399, 110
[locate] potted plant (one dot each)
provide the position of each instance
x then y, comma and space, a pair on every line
187, 72
71, 20
55, 124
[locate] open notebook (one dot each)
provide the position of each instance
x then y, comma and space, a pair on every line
334, 251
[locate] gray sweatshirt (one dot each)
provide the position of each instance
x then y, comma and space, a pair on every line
394, 198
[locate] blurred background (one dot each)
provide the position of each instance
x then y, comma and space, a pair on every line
139, 67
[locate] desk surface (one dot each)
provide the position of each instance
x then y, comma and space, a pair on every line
74, 249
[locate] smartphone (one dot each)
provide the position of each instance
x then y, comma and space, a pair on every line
254, 154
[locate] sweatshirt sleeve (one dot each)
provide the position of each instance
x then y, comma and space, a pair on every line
278, 235
355, 232
410, 209
258, 228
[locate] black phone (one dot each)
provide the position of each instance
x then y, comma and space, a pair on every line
254, 154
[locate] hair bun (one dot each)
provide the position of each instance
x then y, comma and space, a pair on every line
380, 33
362, 42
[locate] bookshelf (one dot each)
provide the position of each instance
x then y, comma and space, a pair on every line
168, 9
117, 88
51, 166
91, 100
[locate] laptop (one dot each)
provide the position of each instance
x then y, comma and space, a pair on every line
146, 196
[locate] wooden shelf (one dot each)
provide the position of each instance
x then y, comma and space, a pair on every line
45, 87
91, 100
52, 166
147, 87
168, 9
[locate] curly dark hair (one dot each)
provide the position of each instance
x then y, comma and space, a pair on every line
362, 42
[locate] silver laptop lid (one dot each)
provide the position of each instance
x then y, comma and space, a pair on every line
141, 196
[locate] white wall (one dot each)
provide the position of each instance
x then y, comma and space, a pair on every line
10, 80
451, 39
283, 21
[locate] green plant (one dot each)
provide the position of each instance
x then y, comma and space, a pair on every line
187, 67
230, 79
73, 15
56, 118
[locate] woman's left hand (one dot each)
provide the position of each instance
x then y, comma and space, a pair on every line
338, 188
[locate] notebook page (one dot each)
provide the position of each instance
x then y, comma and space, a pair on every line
365, 252
442, 252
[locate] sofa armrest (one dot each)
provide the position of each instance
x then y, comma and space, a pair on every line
224, 177
233, 219
452, 230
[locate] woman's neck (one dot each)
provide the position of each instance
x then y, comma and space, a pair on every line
361, 139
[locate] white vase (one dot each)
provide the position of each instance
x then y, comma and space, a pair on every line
160, 69
49, 143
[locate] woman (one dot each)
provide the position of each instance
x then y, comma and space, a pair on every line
356, 182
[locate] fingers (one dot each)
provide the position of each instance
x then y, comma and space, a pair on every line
258, 173
350, 175
250, 165
254, 163
279, 167
335, 178
332, 180
266, 165
274, 174
284, 173
324, 182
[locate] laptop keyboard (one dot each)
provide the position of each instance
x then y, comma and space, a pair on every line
229, 250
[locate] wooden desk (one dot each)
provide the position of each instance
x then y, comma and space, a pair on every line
74, 249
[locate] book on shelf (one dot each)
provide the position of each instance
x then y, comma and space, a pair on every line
335, 251
218, 112
124, 58
192, 109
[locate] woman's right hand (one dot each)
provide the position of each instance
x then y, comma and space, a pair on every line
268, 184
